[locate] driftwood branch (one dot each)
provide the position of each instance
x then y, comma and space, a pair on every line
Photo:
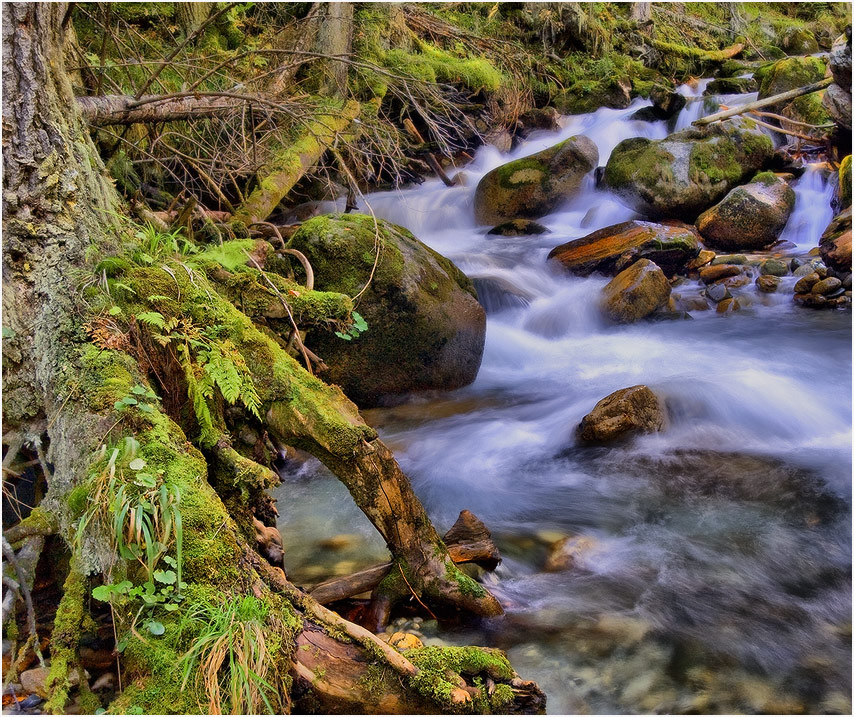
468, 541
758, 104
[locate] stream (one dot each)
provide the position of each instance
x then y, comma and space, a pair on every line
714, 570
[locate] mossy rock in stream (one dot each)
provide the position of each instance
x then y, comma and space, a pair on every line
687, 172
749, 217
533, 186
798, 41
844, 192
426, 329
788, 74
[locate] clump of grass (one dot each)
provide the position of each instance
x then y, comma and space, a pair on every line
231, 660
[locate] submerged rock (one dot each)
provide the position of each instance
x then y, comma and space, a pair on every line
533, 186
519, 228
749, 217
687, 172
611, 249
835, 242
629, 410
564, 553
426, 329
635, 292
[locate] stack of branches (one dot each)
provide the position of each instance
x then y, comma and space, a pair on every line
220, 117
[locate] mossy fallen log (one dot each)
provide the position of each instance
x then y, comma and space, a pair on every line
286, 168
696, 53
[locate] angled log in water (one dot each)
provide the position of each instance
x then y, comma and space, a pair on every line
293, 161
790, 95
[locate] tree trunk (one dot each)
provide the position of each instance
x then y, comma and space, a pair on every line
641, 11
335, 39
104, 110
192, 14
61, 214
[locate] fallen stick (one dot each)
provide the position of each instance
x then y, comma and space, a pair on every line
430, 157
758, 104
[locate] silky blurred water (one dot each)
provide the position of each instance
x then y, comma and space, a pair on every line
717, 573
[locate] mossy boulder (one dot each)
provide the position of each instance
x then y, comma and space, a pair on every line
613, 248
630, 410
425, 327
809, 108
844, 192
788, 74
533, 186
731, 86
749, 217
687, 172
798, 41
589, 95
635, 293
835, 242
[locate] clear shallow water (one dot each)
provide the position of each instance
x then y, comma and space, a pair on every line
717, 573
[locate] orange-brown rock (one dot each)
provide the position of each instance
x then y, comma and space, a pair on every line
835, 243
635, 292
610, 249
711, 274
628, 410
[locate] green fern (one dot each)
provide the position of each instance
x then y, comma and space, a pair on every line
152, 318
197, 391
225, 367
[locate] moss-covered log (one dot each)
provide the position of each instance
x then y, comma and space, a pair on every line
291, 162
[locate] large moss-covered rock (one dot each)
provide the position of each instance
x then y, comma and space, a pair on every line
749, 217
788, 74
613, 248
837, 102
532, 186
798, 41
835, 243
687, 172
425, 327
635, 293
589, 96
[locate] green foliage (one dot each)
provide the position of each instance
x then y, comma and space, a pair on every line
144, 399
358, 327
232, 660
154, 245
230, 255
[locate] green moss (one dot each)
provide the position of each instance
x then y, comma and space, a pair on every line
65, 639
502, 697
78, 499
808, 108
769, 179
107, 377
432, 64
845, 182
789, 74
527, 170
434, 663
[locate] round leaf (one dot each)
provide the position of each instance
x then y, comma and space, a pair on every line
137, 464
155, 628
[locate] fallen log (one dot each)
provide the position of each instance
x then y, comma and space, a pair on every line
429, 157
468, 541
758, 104
287, 167
695, 53
106, 110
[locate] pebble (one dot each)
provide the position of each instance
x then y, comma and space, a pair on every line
718, 292
405, 641
826, 286
767, 284
846, 282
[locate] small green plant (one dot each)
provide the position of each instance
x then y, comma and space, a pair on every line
230, 658
154, 245
140, 397
358, 327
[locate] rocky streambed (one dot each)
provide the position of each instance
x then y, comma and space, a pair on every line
691, 554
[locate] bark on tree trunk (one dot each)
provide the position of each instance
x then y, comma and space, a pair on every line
192, 14
641, 11
335, 39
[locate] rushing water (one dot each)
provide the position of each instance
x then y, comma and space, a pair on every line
715, 575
